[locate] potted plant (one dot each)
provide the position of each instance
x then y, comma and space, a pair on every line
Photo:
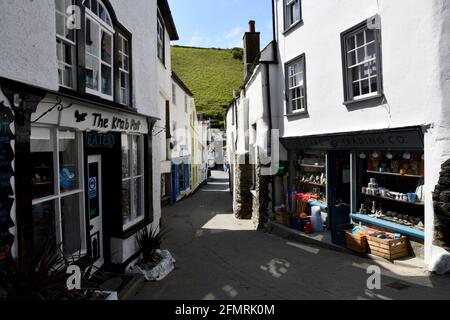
44, 277
155, 263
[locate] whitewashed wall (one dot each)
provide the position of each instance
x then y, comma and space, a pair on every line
181, 136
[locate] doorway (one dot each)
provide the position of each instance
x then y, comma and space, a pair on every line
95, 209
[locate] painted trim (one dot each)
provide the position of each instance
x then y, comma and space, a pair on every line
286, 86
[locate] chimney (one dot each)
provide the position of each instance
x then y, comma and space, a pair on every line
251, 47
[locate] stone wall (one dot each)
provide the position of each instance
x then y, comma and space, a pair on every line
243, 198
441, 198
261, 200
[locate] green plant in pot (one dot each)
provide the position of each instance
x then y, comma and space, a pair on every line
149, 242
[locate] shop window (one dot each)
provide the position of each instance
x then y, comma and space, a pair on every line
65, 45
311, 177
132, 180
391, 187
57, 190
292, 13
361, 49
296, 85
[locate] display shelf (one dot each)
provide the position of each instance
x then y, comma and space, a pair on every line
419, 204
313, 184
396, 174
389, 225
312, 166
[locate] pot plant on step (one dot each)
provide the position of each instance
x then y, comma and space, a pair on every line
156, 264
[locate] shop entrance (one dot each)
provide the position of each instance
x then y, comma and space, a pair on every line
339, 188
94, 185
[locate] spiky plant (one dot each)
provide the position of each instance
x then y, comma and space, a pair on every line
149, 241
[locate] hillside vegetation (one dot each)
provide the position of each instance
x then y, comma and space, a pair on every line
211, 75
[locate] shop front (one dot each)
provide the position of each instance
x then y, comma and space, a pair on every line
181, 178
372, 179
85, 181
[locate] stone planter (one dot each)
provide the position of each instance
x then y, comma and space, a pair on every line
159, 272
105, 296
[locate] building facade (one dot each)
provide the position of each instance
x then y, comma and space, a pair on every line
350, 87
81, 97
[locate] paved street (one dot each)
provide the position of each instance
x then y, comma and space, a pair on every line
221, 258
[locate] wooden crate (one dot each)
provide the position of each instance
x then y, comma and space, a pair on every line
356, 243
283, 218
388, 249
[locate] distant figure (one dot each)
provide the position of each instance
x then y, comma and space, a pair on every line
226, 166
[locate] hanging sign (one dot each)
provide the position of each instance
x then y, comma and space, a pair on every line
6, 191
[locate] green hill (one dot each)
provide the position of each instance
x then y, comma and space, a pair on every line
211, 75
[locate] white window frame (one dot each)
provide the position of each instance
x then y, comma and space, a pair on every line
131, 178
102, 27
301, 102
58, 196
124, 42
60, 41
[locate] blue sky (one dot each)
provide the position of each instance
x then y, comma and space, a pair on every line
220, 23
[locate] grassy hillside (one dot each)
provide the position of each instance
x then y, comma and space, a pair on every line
211, 75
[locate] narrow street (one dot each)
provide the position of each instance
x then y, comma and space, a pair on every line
219, 257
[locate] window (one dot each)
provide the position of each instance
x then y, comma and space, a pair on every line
361, 48
132, 180
292, 14
124, 70
161, 49
296, 85
99, 50
174, 94
65, 45
57, 190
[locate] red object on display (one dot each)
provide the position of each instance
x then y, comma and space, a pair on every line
309, 228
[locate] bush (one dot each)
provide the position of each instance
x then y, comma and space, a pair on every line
238, 53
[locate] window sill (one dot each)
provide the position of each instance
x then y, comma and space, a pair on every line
297, 114
376, 99
131, 230
291, 28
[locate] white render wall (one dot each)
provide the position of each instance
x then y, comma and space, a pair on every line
181, 136
410, 40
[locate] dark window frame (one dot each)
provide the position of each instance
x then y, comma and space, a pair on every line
348, 96
290, 27
160, 21
289, 112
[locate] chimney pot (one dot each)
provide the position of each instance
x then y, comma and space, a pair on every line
252, 27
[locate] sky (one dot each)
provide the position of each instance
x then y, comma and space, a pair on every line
220, 23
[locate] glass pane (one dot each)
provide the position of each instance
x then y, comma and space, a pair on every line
106, 47
365, 87
125, 157
68, 77
126, 212
92, 38
361, 55
68, 53
93, 191
59, 50
373, 67
94, 6
92, 72
68, 161
87, 4
106, 80
125, 47
137, 153
44, 231
370, 35
373, 84
356, 89
71, 224
351, 44
360, 39
371, 51
60, 20
352, 58
101, 12
60, 5
355, 73
137, 198
364, 70
42, 166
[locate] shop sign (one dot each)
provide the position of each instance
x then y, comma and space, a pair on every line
99, 140
411, 139
6, 191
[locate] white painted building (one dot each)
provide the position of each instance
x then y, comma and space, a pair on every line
85, 101
360, 94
